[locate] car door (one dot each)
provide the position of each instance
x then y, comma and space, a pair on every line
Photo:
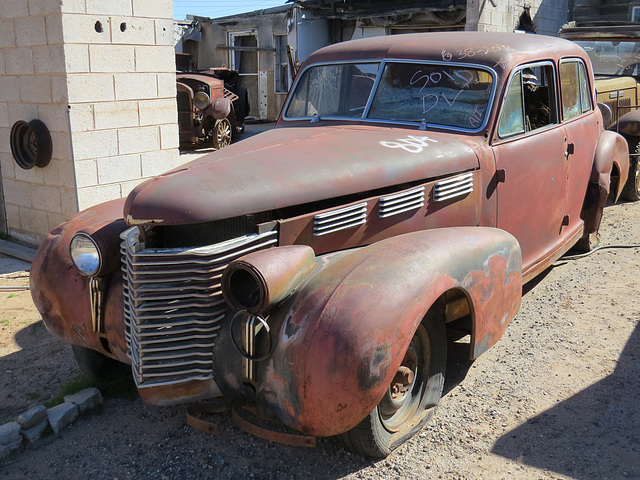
531, 166
582, 129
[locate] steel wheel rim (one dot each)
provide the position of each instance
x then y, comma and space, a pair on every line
223, 133
395, 410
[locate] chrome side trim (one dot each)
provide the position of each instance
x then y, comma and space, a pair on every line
458, 186
401, 202
340, 219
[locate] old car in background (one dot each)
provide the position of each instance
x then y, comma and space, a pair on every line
614, 51
311, 275
212, 106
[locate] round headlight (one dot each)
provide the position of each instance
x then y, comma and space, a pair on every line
201, 100
85, 254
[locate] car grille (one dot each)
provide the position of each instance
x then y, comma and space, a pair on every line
173, 305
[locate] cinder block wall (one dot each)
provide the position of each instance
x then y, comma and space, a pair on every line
548, 16
101, 75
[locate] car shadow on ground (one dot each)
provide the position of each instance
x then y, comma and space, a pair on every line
585, 436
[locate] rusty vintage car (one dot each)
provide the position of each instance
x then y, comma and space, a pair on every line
212, 107
311, 275
614, 51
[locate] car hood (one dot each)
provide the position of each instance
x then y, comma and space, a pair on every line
292, 166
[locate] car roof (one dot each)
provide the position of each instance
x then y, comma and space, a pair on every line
501, 51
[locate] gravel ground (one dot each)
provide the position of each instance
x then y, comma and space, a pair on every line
556, 398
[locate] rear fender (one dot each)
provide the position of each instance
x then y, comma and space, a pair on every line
343, 334
612, 154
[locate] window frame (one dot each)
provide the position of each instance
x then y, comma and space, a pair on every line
553, 96
382, 63
583, 80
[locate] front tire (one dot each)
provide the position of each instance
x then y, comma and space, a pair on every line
412, 397
96, 365
222, 133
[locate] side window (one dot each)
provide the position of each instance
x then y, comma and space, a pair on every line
569, 85
574, 84
512, 119
585, 91
533, 86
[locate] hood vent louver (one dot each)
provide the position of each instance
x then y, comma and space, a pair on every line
401, 202
341, 219
458, 186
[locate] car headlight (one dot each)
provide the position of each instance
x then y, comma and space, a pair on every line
201, 100
85, 254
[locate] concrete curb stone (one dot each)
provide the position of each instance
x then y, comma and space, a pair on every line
62, 415
86, 399
32, 417
35, 433
10, 436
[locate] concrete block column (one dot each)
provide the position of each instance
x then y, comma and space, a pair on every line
101, 75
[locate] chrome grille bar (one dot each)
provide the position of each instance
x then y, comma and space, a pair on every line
340, 219
173, 305
401, 202
457, 186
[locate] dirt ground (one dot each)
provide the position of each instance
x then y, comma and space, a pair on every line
556, 398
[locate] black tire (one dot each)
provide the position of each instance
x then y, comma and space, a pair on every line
95, 365
631, 189
399, 416
222, 133
586, 244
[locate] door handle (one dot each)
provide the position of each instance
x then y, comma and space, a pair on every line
569, 151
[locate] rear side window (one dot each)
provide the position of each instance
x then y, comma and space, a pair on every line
574, 84
530, 102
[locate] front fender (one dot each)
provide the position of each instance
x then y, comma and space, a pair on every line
61, 293
343, 335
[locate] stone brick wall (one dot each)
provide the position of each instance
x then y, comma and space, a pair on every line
101, 75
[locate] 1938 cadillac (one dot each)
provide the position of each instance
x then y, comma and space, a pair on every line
311, 275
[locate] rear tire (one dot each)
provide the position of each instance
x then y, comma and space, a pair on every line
400, 415
586, 244
96, 365
631, 190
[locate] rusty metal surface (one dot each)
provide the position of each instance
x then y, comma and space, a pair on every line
61, 293
274, 275
614, 33
339, 333
470, 209
494, 50
192, 79
320, 163
349, 324
629, 123
612, 150
296, 440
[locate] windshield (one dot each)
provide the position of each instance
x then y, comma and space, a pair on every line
612, 58
450, 96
